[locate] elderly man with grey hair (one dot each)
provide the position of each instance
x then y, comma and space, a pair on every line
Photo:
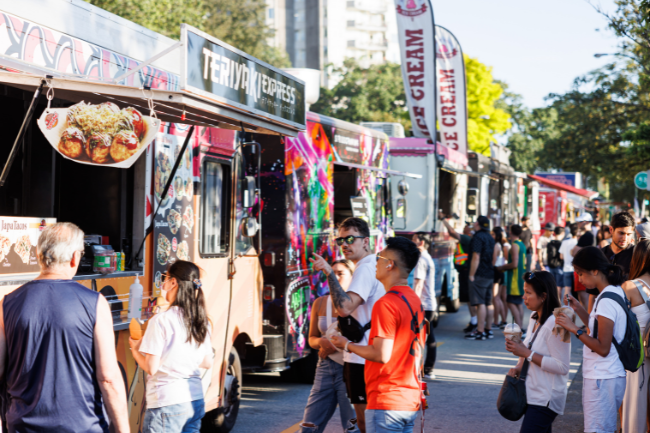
57, 347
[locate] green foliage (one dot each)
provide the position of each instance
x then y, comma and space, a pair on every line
240, 23
484, 118
375, 94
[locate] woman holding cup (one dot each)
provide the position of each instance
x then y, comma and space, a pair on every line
547, 353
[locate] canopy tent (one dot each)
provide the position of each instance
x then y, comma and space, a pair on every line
568, 188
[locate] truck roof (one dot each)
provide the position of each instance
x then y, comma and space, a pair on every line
350, 127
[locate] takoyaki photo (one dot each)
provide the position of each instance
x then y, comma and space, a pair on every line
124, 146
98, 147
72, 142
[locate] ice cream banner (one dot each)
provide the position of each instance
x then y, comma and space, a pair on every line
415, 27
452, 96
18, 240
100, 134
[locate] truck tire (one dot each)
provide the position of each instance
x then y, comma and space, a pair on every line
222, 419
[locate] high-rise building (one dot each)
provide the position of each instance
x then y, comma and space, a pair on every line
318, 33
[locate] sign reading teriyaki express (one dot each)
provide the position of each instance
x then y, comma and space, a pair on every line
214, 69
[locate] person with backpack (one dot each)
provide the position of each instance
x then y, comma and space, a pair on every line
634, 413
554, 261
611, 341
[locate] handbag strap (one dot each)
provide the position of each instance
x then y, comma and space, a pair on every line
329, 311
524, 368
639, 286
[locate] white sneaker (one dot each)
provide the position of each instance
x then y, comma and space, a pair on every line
430, 376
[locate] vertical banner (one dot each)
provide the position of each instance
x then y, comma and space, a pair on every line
415, 26
452, 94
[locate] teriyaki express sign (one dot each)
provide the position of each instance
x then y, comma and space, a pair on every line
215, 70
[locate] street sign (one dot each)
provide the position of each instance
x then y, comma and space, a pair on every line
641, 180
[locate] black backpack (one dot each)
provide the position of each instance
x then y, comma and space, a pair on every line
553, 254
630, 351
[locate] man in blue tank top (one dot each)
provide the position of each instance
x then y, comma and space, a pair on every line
57, 347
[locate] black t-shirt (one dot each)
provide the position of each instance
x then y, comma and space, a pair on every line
483, 243
623, 258
587, 240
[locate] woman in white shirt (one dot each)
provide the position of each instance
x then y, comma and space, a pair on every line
603, 373
175, 346
501, 247
548, 356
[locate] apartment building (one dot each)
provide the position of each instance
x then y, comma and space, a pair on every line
317, 33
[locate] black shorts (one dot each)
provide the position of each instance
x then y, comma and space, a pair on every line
355, 382
499, 277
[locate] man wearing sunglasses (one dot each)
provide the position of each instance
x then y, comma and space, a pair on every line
397, 336
358, 301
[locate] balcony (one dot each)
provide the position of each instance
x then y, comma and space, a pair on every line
373, 7
366, 27
368, 45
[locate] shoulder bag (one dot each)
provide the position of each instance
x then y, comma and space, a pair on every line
511, 402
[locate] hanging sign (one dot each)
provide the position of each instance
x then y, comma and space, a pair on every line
417, 46
216, 70
452, 96
18, 239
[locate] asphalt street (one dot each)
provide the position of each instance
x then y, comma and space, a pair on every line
463, 397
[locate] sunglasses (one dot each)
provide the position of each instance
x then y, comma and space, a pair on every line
348, 240
380, 257
165, 277
529, 276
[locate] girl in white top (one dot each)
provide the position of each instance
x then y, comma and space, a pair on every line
501, 247
549, 356
604, 376
634, 413
173, 350
329, 389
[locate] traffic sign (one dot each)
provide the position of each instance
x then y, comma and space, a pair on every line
641, 180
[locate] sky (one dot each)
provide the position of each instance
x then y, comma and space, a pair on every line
536, 47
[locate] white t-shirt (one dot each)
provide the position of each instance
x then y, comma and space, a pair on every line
565, 250
426, 270
365, 284
595, 366
178, 380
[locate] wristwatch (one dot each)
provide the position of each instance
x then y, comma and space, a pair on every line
579, 332
530, 357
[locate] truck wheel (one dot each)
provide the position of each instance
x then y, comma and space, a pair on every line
222, 419
452, 305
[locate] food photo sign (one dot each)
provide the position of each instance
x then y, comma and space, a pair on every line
18, 239
174, 222
101, 134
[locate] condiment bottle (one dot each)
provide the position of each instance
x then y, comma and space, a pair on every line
135, 300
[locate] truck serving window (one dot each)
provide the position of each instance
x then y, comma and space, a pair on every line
214, 238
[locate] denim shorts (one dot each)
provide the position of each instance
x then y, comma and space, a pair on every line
568, 279
558, 273
175, 418
601, 399
390, 421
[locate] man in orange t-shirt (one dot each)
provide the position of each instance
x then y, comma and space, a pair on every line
394, 355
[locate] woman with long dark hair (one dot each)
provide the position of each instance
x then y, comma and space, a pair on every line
549, 356
634, 412
175, 346
500, 251
602, 370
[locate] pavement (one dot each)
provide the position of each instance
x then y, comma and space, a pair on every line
469, 375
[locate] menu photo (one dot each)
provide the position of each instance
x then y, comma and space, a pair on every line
18, 240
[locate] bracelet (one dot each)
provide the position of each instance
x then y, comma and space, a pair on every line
346, 347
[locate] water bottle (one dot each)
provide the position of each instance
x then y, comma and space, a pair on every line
135, 300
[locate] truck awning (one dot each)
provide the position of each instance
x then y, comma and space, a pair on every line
568, 188
169, 106
381, 170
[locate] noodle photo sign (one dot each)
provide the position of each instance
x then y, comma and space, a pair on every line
101, 134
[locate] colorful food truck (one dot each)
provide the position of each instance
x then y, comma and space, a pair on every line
153, 158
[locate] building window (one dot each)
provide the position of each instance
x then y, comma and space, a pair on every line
271, 13
352, 43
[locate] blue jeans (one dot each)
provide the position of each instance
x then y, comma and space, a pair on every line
388, 421
328, 392
176, 418
558, 274
538, 419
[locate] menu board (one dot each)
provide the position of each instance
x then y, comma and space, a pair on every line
18, 239
174, 222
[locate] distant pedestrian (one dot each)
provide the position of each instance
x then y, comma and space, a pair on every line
425, 287
501, 248
462, 260
602, 370
329, 388
634, 413
604, 236
548, 356
642, 231
555, 264
586, 238
515, 269
394, 351
566, 255
173, 350
526, 238
481, 279
57, 339
542, 243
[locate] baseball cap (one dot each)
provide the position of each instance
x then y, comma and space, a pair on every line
483, 222
643, 230
549, 226
585, 217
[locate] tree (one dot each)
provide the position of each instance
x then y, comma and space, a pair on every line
240, 23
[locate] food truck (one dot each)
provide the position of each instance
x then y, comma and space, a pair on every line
153, 157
